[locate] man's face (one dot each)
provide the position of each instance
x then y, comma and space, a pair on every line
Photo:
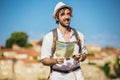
64, 17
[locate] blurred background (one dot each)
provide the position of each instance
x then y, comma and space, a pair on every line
23, 24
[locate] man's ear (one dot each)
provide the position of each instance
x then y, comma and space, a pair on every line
56, 18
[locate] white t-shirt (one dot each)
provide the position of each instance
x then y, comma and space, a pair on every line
47, 45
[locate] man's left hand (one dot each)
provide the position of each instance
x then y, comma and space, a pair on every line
80, 57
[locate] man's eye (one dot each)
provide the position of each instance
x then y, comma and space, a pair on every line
62, 14
69, 14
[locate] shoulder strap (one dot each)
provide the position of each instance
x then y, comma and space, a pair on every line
55, 37
78, 39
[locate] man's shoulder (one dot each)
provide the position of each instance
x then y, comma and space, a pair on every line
78, 32
49, 34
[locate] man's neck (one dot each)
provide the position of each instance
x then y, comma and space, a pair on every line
64, 30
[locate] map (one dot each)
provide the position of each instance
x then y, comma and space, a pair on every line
64, 49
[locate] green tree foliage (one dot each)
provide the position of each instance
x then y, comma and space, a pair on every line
91, 54
19, 38
110, 48
9, 43
28, 45
117, 67
106, 69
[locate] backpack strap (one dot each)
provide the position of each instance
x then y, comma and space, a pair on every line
55, 37
78, 39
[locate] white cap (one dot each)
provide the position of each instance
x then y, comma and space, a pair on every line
59, 6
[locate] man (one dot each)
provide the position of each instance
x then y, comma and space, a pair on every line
62, 67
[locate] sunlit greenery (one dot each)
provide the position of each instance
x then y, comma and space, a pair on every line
19, 38
110, 48
91, 63
106, 69
117, 67
90, 54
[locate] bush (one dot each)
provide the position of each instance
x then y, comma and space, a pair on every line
19, 38
91, 63
117, 67
91, 54
106, 69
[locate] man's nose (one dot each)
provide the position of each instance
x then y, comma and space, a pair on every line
67, 16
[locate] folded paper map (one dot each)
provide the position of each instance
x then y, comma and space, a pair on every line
64, 49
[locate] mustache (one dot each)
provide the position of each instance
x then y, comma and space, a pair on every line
67, 19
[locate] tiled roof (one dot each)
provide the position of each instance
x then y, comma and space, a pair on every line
112, 52
28, 51
24, 60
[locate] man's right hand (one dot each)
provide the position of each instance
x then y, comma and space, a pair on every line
59, 60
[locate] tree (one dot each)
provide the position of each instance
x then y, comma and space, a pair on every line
19, 38
117, 67
110, 48
106, 69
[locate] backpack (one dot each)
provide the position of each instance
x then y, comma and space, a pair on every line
55, 38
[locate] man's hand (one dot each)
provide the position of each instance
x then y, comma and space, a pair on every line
59, 60
80, 57
77, 57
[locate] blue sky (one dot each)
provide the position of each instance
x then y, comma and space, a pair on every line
98, 20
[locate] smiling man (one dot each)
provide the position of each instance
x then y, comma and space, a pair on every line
63, 48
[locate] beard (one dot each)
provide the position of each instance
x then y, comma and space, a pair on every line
63, 24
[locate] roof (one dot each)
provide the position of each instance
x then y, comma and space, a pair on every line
28, 51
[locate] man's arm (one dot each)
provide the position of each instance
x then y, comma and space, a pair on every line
49, 61
52, 61
82, 56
